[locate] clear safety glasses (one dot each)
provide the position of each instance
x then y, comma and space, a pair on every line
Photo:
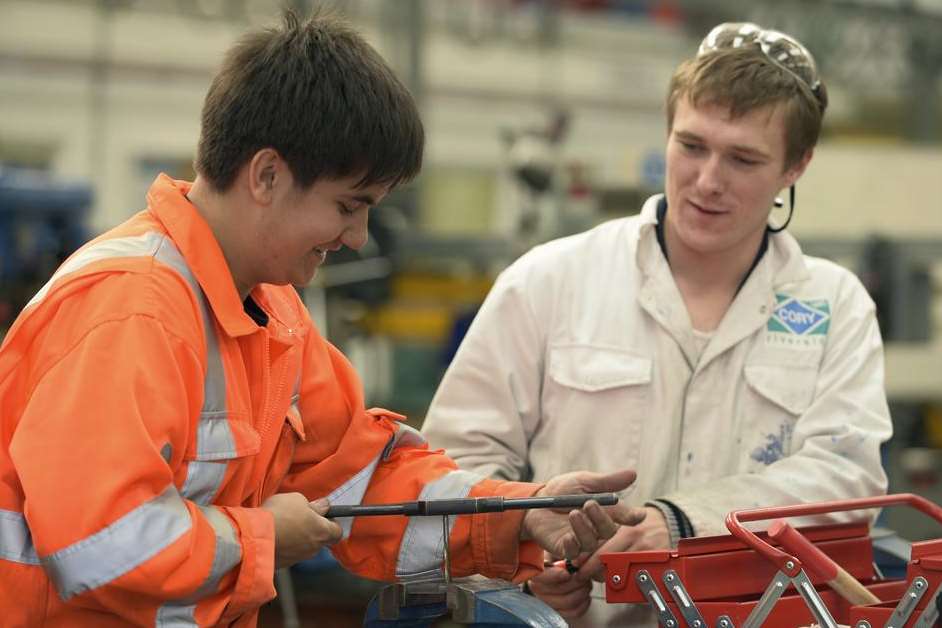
782, 49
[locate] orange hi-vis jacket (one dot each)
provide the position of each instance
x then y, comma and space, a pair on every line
144, 417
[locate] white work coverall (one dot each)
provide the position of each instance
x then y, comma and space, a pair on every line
583, 357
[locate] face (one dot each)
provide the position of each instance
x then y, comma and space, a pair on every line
722, 177
299, 227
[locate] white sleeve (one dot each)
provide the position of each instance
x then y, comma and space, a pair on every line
836, 441
488, 404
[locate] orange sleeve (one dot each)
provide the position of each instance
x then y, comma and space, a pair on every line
487, 543
101, 431
345, 443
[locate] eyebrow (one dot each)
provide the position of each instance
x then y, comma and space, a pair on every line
739, 148
366, 199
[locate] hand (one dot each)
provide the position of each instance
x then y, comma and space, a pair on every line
650, 534
562, 591
300, 528
579, 532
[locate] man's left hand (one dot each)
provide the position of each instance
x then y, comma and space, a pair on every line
578, 533
650, 534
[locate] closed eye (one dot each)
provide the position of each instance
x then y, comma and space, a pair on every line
345, 210
746, 161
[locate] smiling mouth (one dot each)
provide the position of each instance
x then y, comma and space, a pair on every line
707, 210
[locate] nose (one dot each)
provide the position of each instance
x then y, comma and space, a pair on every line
357, 233
711, 179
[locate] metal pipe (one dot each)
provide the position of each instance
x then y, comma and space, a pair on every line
469, 505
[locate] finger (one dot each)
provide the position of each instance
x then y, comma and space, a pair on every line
585, 532
320, 506
334, 533
569, 545
557, 588
577, 612
604, 525
608, 482
625, 515
593, 568
551, 576
572, 606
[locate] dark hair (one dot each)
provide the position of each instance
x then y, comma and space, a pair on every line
744, 79
321, 96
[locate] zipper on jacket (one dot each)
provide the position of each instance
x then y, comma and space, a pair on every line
266, 384
279, 378
683, 412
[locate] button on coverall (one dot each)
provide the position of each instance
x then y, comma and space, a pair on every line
144, 417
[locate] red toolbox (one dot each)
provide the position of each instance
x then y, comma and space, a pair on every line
746, 580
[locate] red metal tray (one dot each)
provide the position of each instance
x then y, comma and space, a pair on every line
724, 576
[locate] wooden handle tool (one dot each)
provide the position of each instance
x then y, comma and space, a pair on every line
820, 564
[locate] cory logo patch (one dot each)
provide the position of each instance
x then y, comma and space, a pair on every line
800, 318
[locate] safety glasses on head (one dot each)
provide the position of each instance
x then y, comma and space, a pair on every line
783, 50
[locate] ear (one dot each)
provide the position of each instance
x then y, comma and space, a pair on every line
794, 173
266, 170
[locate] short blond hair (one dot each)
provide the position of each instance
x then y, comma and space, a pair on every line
744, 79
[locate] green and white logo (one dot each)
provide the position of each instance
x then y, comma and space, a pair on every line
800, 318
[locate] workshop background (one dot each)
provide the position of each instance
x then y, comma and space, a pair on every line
543, 118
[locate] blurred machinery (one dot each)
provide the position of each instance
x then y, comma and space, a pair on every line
41, 222
529, 211
898, 274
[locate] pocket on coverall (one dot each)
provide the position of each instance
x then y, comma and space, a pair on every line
777, 396
593, 392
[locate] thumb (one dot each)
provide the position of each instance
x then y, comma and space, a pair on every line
609, 482
320, 506
627, 516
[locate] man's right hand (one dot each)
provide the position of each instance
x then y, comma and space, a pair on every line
568, 594
565, 593
300, 527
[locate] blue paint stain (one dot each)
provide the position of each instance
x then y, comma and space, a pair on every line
774, 448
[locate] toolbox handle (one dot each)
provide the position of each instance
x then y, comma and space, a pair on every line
781, 559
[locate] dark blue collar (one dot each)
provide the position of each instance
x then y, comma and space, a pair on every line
659, 229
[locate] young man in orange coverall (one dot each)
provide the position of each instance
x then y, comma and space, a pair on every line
173, 427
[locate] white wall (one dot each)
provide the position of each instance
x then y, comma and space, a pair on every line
102, 119
854, 189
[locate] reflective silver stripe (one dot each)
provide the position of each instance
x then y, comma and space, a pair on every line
422, 549
180, 613
148, 529
203, 480
406, 436
296, 395
228, 550
16, 542
351, 493
122, 546
214, 439
132, 246
176, 615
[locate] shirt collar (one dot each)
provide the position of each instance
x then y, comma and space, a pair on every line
780, 250
167, 201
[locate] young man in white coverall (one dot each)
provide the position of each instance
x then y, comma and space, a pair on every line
693, 342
